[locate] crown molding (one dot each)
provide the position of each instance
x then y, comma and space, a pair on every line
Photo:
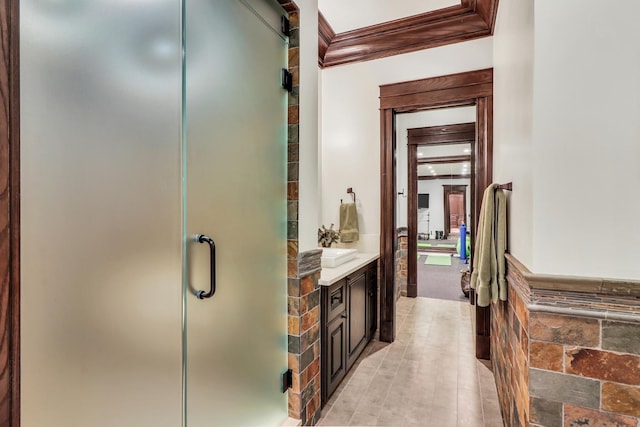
325, 35
472, 19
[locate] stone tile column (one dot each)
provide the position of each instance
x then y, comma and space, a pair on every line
303, 269
304, 338
402, 262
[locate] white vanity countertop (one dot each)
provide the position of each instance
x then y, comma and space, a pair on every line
329, 276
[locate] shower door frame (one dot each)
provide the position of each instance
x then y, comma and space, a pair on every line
10, 215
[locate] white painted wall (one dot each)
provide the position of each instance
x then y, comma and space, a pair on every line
350, 146
436, 204
587, 138
513, 119
309, 194
566, 132
404, 122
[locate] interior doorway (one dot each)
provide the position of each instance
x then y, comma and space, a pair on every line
463, 89
443, 172
440, 162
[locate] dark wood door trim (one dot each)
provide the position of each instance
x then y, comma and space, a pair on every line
471, 19
432, 177
469, 88
455, 134
387, 226
444, 159
9, 216
447, 134
412, 220
453, 189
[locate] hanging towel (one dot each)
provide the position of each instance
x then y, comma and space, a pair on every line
348, 223
488, 277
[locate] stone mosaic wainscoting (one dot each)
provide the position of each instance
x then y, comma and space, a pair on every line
566, 351
304, 339
401, 262
510, 353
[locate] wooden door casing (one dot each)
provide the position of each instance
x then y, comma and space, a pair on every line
461, 89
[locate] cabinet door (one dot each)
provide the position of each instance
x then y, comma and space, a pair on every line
356, 315
336, 363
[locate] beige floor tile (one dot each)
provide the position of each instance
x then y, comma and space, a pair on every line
391, 418
363, 418
470, 419
443, 416
418, 414
428, 377
336, 417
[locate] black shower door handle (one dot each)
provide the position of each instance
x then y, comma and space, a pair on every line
201, 238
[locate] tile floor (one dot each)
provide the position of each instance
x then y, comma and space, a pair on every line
428, 377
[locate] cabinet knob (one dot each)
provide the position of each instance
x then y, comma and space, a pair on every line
343, 315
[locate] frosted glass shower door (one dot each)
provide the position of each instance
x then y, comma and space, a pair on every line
101, 237
236, 195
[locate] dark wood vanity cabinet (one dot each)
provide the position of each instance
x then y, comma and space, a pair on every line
348, 322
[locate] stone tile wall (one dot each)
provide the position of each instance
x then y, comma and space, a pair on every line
401, 269
572, 361
584, 371
510, 353
304, 346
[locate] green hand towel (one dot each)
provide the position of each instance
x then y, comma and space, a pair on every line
349, 223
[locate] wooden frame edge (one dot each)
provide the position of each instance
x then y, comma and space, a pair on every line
433, 178
387, 240
10, 216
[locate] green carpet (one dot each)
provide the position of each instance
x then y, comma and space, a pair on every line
438, 260
424, 245
446, 245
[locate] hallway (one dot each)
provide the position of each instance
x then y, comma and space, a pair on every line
428, 377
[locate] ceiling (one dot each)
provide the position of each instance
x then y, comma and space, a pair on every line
444, 169
439, 168
345, 15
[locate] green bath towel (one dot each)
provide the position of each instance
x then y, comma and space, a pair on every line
349, 223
